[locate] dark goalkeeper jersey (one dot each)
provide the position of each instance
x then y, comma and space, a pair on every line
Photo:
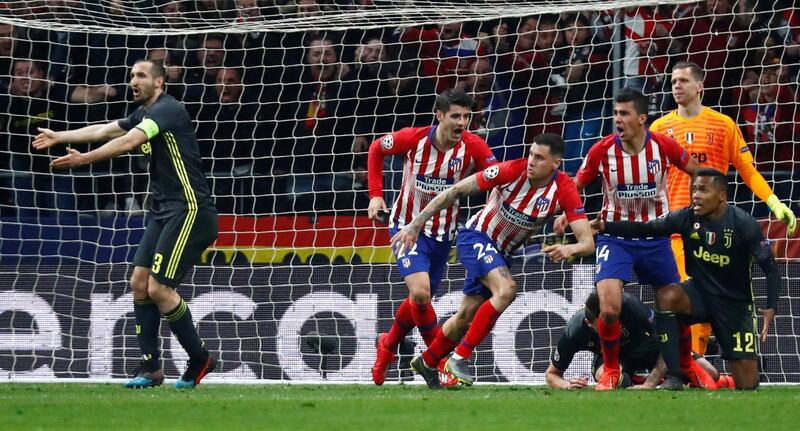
638, 337
719, 253
177, 182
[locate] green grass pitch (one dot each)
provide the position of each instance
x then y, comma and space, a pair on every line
392, 407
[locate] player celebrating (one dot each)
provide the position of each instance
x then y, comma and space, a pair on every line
526, 193
183, 219
632, 164
436, 157
719, 242
639, 351
715, 141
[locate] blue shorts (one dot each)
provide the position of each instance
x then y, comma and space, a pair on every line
479, 255
651, 259
427, 255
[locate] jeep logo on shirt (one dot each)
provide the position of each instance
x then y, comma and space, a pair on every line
717, 259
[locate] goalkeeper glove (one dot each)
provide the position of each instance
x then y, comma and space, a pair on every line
782, 212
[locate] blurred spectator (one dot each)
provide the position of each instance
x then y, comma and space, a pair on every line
210, 58
176, 80
711, 37
448, 55
232, 142
214, 10
33, 101
317, 130
405, 99
174, 13
583, 63
7, 42
215, 52
646, 43
768, 111
534, 74
494, 118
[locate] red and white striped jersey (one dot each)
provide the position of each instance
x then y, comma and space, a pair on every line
515, 210
427, 172
634, 185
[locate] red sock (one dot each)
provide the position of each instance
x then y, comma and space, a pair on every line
609, 343
482, 324
425, 320
402, 325
685, 345
439, 348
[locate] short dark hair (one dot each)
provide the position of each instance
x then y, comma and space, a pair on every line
452, 96
157, 69
640, 102
592, 307
552, 140
717, 177
694, 69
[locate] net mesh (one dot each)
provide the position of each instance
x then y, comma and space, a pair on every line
286, 97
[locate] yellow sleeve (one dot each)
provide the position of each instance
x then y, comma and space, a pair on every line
742, 160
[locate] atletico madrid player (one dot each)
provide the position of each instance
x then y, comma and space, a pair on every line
436, 157
715, 141
632, 165
526, 193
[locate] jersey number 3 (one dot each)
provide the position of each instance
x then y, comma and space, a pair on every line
157, 262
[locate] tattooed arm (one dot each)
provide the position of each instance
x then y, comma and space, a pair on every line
407, 237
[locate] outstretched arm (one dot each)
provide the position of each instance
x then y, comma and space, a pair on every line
407, 237
93, 133
664, 226
113, 148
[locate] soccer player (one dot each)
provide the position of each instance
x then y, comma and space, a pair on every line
632, 164
715, 141
183, 220
639, 357
436, 157
525, 194
720, 243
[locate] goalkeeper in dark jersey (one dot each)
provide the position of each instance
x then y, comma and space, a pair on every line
182, 222
720, 242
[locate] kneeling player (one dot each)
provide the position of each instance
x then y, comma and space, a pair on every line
719, 242
639, 357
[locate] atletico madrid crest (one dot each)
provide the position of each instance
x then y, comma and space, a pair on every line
654, 166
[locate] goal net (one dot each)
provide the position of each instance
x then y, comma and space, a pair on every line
286, 97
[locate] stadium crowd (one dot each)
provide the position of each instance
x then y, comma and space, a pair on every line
284, 119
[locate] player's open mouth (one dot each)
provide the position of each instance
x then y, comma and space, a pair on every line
136, 92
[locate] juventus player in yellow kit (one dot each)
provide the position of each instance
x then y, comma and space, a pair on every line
715, 141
